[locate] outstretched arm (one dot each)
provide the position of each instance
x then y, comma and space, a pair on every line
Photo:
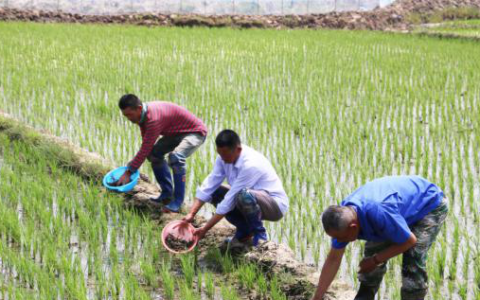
329, 271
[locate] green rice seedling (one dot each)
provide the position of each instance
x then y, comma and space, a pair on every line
275, 290
188, 269
199, 282
225, 261
262, 285
168, 281
247, 273
186, 291
228, 292
462, 290
303, 251
477, 278
113, 249
133, 290
149, 274
476, 269
209, 285
316, 254
453, 268
291, 241
441, 262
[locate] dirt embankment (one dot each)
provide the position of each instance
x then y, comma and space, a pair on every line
392, 17
297, 280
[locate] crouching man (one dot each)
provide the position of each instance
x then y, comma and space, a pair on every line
255, 193
168, 130
395, 215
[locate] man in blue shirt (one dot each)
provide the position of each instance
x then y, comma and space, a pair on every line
395, 215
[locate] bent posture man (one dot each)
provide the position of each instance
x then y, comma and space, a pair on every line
182, 133
255, 193
395, 215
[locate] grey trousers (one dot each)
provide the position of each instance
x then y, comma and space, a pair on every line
268, 205
181, 145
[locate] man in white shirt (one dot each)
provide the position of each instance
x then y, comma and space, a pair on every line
255, 193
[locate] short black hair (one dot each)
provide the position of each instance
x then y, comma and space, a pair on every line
227, 138
336, 217
129, 101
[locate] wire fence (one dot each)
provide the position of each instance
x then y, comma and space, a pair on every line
207, 7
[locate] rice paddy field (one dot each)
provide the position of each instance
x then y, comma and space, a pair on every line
331, 110
67, 238
470, 28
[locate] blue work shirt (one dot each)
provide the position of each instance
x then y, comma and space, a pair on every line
387, 206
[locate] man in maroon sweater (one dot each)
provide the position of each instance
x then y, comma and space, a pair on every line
181, 134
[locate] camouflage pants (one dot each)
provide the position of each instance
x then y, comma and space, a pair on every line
414, 265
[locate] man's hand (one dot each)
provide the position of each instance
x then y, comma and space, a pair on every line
329, 270
189, 218
124, 179
367, 265
200, 233
197, 204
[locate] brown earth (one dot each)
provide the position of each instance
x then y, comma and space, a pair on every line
279, 259
392, 17
177, 244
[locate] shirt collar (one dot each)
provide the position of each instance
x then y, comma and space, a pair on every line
240, 160
365, 228
144, 113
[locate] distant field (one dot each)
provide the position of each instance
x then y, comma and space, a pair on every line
331, 109
470, 28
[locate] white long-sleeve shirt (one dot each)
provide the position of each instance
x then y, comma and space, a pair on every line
253, 171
